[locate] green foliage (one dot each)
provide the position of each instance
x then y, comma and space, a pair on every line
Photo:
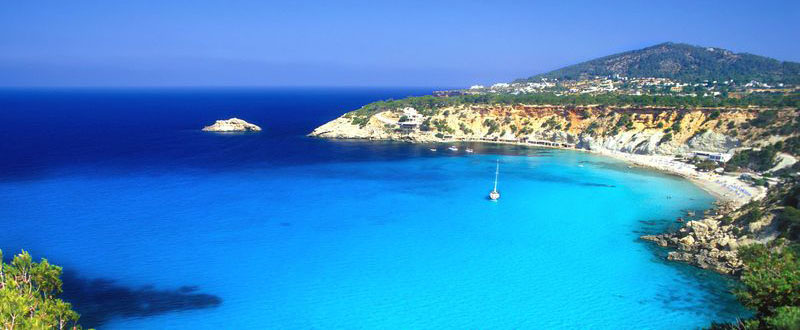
493, 125
28, 296
789, 222
429, 105
464, 128
706, 165
785, 318
426, 125
676, 126
403, 118
624, 121
551, 122
726, 220
592, 129
361, 121
714, 115
751, 216
771, 280
764, 118
441, 126
682, 62
791, 145
789, 127
756, 160
666, 138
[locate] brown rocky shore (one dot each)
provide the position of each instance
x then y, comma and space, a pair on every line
704, 243
712, 242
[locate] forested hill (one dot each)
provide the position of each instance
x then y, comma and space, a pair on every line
682, 62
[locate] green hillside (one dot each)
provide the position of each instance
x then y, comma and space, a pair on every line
682, 62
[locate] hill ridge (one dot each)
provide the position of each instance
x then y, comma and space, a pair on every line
683, 62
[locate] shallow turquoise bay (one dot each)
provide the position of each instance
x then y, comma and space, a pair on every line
160, 226
384, 244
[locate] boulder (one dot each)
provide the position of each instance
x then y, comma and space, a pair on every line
688, 241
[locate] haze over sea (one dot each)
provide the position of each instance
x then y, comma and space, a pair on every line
159, 225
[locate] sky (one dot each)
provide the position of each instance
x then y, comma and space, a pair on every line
359, 43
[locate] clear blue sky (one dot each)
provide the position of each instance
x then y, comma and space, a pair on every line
355, 43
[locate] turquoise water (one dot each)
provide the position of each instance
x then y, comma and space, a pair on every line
359, 235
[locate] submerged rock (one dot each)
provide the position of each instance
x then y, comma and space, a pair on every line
231, 125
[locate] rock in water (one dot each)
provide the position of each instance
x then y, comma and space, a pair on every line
231, 125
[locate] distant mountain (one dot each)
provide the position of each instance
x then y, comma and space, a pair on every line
685, 63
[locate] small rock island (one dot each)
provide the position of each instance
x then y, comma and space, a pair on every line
232, 125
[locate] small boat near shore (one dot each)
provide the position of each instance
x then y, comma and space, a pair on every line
470, 150
452, 148
433, 149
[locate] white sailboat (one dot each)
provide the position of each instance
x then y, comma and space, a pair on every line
494, 194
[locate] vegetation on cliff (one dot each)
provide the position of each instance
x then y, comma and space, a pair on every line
29, 296
430, 105
682, 62
770, 285
770, 278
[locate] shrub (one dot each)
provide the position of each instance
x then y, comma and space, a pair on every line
726, 220
28, 296
752, 216
789, 222
764, 118
760, 160
770, 281
666, 138
785, 318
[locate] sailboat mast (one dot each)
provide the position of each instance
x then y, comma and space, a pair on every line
496, 174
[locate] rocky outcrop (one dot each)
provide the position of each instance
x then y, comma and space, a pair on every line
647, 131
231, 125
704, 243
343, 128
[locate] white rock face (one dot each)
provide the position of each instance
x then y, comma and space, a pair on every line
712, 141
231, 125
470, 124
649, 143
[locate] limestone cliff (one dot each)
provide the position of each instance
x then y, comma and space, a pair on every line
646, 130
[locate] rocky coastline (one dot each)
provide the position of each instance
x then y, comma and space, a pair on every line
704, 243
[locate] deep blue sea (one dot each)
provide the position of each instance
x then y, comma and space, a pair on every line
159, 225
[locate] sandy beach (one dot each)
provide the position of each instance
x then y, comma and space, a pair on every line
722, 186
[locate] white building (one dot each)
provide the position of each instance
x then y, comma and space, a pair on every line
715, 156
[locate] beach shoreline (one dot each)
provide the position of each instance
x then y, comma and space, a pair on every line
723, 187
